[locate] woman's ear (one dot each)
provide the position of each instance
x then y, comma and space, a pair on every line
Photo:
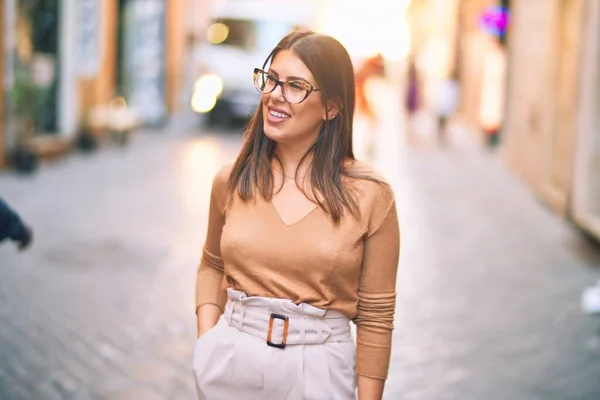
331, 110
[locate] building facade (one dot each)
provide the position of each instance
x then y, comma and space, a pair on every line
66, 58
550, 129
585, 189
49, 46
545, 48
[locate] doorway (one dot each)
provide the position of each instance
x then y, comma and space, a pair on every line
34, 103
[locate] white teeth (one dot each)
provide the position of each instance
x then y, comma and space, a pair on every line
278, 114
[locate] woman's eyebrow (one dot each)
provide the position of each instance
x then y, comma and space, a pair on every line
289, 78
297, 78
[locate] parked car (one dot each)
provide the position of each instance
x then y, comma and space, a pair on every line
240, 35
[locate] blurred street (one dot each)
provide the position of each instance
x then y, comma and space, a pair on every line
482, 114
101, 306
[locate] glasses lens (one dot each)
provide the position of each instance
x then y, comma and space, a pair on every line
264, 82
295, 92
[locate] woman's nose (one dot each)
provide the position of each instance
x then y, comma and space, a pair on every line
277, 93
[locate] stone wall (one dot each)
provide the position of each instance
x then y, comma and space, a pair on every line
585, 196
539, 133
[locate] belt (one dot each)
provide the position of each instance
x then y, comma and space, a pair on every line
280, 329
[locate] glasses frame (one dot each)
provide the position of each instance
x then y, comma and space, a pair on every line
309, 90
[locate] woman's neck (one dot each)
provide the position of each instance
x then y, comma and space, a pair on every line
291, 157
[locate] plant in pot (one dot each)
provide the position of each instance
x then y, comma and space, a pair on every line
22, 158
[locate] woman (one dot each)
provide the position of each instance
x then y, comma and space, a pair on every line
301, 239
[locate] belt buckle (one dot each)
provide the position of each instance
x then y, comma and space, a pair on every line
286, 324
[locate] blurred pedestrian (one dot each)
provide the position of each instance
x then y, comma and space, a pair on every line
12, 227
302, 239
445, 102
493, 88
370, 72
373, 66
413, 98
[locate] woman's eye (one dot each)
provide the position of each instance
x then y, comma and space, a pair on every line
297, 86
270, 78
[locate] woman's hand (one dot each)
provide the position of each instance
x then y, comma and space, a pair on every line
208, 316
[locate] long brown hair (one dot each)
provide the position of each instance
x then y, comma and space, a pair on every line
331, 66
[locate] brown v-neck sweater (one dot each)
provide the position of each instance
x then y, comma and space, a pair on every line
350, 267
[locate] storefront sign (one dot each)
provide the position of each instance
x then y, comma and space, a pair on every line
145, 58
494, 20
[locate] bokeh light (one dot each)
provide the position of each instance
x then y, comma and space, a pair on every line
217, 33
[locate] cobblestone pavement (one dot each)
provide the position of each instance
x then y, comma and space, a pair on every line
101, 307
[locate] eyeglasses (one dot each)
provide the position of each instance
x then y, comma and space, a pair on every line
294, 92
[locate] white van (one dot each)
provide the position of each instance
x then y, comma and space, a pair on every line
240, 36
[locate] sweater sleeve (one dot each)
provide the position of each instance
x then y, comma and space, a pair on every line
209, 281
377, 295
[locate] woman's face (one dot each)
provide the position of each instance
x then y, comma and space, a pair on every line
285, 122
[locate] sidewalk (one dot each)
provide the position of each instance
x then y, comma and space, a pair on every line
101, 306
489, 282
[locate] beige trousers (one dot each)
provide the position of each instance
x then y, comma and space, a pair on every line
233, 360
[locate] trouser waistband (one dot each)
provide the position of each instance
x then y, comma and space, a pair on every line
281, 323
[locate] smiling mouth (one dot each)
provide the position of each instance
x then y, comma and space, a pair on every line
279, 114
